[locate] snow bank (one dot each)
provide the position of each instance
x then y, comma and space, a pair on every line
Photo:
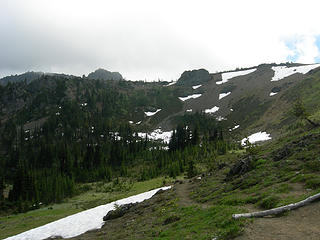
256, 137
81, 222
149, 114
281, 72
196, 86
157, 134
228, 75
272, 94
222, 95
212, 110
189, 97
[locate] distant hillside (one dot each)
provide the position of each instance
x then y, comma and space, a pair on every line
27, 77
102, 74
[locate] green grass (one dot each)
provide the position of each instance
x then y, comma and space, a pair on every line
197, 223
14, 224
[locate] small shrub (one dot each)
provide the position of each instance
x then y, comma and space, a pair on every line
284, 188
313, 183
269, 202
171, 219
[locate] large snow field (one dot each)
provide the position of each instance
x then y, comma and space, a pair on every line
222, 95
212, 110
149, 114
196, 86
189, 97
256, 137
228, 75
81, 222
157, 134
281, 72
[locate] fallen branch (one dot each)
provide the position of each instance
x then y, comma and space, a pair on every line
278, 210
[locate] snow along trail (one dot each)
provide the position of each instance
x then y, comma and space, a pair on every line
81, 222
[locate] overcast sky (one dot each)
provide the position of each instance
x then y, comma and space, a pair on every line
149, 39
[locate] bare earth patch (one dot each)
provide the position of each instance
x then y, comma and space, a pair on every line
302, 223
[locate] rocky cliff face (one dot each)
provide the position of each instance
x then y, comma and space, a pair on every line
102, 74
194, 77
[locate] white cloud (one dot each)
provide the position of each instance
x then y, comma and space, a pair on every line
306, 49
149, 40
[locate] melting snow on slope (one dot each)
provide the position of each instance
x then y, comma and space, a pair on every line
222, 95
149, 114
256, 137
272, 94
158, 134
212, 110
228, 75
234, 128
281, 72
169, 84
196, 86
189, 97
81, 222
220, 118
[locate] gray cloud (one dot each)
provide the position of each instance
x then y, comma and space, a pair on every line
143, 39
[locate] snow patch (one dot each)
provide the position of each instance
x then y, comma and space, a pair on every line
220, 118
157, 134
149, 114
189, 110
272, 94
196, 86
212, 110
131, 122
256, 137
222, 95
189, 97
81, 222
234, 128
138, 122
228, 75
281, 72
169, 84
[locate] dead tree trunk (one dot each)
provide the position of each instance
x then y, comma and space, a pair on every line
314, 124
278, 210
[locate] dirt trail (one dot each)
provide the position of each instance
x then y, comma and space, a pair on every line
183, 191
302, 223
